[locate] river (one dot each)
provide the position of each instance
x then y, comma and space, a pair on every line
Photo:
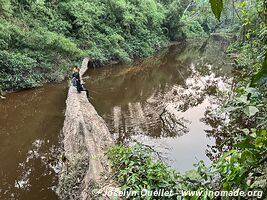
31, 122
162, 101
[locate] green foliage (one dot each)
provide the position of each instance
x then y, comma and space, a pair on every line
260, 78
243, 164
243, 167
252, 46
116, 29
138, 170
195, 19
57, 35
28, 56
5, 7
239, 168
248, 102
192, 28
173, 21
17, 71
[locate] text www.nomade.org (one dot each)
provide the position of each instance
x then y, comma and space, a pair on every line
184, 193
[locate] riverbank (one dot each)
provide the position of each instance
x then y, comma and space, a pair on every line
63, 74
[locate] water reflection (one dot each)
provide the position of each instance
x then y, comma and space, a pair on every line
30, 121
220, 128
163, 98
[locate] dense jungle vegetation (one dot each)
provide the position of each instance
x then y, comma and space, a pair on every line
41, 40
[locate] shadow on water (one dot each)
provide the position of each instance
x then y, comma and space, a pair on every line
161, 101
31, 122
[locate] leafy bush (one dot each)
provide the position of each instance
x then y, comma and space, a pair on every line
138, 170
28, 57
56, 36
17, 71
173, 19
192, 28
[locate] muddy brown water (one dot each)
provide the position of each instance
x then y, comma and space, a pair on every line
163, 101
30, 125
160, 102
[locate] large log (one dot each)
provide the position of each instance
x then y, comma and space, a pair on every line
85, 132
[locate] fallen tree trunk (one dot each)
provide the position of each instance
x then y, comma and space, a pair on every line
86, 137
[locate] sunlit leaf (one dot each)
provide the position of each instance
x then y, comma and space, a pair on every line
253, 91
245, 130
231, 108
251, 111
242, 99
243, 4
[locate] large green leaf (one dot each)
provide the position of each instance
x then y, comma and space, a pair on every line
251, 111
246, 143
261, 77
216, 7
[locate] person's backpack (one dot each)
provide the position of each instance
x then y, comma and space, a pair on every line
74, 81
